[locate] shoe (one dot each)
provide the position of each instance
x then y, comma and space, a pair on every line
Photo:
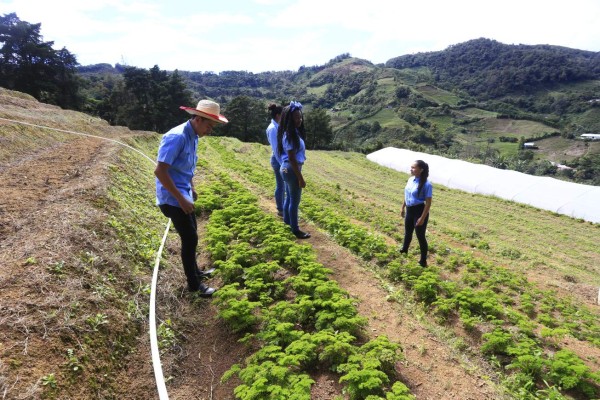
403, 251
280, 214
423, 264
301, 235
205, 274
205, 291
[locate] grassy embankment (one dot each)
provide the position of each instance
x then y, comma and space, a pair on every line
76, 325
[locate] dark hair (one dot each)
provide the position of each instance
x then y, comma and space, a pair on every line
424, 174
275, 110
287, 126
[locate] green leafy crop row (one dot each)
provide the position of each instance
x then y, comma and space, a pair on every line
483, 294
281, 299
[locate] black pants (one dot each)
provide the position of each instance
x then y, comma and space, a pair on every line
186, 226
412, 215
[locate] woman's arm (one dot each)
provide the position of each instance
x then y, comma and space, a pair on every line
425, 212
296, 168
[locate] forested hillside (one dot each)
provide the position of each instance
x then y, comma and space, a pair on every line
480, 100
487, 69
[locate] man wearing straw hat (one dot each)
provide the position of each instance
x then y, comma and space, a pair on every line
175, 192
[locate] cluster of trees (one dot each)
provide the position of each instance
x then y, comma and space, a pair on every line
30, 65
487, 69
586, 169
138, 98
341, 86
145, 100
228, 84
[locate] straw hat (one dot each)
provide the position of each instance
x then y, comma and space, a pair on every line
207, 109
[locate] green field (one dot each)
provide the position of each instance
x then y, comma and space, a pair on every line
318, 90
559, 149
387, 117
438, 95
488, 216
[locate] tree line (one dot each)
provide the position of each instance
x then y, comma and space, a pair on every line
138, 98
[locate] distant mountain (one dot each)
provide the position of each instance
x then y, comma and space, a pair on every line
488, 69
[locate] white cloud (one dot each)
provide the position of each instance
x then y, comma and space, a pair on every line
261, 35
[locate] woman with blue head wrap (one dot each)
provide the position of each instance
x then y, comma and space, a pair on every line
292, 152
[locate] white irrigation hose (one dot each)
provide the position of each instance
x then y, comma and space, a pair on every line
158, 374
81, 134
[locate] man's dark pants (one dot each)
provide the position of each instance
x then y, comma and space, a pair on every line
187, 227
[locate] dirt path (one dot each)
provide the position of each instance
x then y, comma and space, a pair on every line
48, 218
431, 369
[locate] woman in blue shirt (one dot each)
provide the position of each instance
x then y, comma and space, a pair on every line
291, 149
415, 208
275, 112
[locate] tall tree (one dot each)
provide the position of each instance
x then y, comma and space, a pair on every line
248, 119
30, 65
147, 100
319, 134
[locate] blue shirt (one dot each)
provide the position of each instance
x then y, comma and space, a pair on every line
178, 149
410, 192
272, 138
289, 146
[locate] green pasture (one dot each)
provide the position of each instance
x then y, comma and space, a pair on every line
387, 88
480, 140
437, 95
505, 148
317, 90
473, 112
386, 82
559, 149
387, 117
511, 127
443, 122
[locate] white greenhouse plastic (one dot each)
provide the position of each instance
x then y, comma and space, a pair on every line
572, 199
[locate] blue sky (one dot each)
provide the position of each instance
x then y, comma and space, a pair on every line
275, 35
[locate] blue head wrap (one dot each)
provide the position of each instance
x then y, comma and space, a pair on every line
295, 105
